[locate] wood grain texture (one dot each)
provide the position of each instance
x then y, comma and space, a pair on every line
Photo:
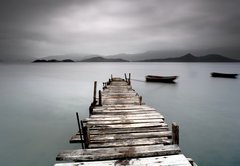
173, 160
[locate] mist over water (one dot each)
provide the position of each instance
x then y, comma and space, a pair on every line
38, 104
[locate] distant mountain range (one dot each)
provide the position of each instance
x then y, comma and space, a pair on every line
94, 59
191, 58
101, 59
118, 58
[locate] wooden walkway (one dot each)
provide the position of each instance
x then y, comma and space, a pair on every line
122, 130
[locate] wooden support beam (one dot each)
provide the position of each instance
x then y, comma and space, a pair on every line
129, 79
140, 100
104, 85
91, 109
95, 93
175, 133
86, 135
99, 98
125, 76
80, 130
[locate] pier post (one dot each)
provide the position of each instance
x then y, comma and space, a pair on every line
129, 79
111, 77
86, 135
80, 130
125, 76
95, 93
91, 109
100, 98
140, 100
104, 85
175, 133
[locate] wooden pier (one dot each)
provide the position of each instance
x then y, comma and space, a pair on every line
122, 130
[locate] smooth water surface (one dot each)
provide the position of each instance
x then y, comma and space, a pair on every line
38, 104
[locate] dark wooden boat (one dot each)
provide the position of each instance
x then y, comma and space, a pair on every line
166, 79
224, 75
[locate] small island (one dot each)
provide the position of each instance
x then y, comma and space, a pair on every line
52, 61
94, 59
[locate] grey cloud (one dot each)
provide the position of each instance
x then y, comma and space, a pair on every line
36, 27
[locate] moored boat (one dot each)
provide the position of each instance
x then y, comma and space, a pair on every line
166, 79
224, 75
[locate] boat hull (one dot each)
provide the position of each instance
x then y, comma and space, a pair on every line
224, 75
165, 79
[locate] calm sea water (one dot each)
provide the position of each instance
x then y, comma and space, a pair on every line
38, 104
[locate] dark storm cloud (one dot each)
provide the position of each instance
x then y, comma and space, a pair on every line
46, 27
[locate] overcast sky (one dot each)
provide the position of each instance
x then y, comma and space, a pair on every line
40, 28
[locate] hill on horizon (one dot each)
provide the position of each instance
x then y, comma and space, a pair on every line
150, 56
191, 58
102, 59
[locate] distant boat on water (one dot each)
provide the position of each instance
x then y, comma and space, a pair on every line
165, 79
224, 75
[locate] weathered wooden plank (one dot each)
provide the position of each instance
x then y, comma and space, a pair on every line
116, 118
172, 160
126, 102
128, 113
114, 95
119, 126
128, 130
123, 121
117, 153
148, 115
108, 137
123, 107
113, 102
110, 98
119, 86
131, 142
122, 142
75, 139
124, 111
129, 90
128, 93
